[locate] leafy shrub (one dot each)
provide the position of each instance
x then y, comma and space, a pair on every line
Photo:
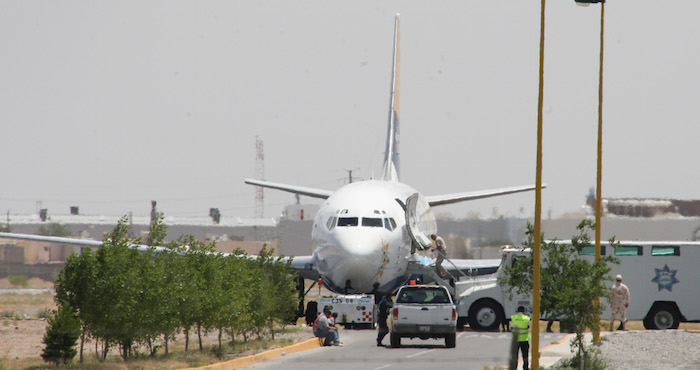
9, 314
592, 360
44, 313
18, 280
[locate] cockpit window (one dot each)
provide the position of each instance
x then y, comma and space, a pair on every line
347, 221
372, 222
331, 223
387, 225
393, 223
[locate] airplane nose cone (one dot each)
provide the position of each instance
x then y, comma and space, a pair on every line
357, 257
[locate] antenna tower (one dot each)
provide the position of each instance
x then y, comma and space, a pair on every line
260, 174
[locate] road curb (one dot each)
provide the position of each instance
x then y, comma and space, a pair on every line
241, 362
554, 352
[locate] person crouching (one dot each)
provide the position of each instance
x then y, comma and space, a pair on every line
324, 328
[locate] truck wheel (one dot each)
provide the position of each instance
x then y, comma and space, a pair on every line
451, 340
485, 315
395, 340
662, 316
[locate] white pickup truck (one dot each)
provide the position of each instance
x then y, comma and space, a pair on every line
423, 311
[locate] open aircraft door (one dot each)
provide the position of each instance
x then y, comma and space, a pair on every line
420, 222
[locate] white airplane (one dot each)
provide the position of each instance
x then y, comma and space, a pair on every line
369, 231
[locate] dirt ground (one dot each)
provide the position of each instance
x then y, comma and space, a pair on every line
21, 330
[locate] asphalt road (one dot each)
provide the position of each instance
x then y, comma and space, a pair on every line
475, 350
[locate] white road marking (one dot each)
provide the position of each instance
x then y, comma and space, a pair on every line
420, 353
382, 367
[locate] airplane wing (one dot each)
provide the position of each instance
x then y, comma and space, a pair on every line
73, 241
52, 239
309, 192
438, 200
305, 267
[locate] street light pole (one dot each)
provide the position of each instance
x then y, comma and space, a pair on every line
599, 175
535, 353
599, 186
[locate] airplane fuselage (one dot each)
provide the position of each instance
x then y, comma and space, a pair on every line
360, 234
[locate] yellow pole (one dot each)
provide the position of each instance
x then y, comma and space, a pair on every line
599, 195
535, 354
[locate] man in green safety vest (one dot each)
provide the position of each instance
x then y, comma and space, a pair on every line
520, 325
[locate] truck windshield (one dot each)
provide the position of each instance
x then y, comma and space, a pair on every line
422, 295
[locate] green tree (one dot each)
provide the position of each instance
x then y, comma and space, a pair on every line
188, 285
61, 336
114, 312
75, 286
569, 283
283, 292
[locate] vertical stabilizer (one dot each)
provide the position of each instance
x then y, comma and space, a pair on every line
390, 171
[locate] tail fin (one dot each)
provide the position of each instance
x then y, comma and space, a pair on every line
390, 171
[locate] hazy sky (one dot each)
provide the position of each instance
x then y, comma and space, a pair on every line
109, 104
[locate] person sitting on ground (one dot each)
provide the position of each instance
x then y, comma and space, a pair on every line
324, 328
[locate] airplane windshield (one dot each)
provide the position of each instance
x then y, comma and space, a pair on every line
331, 223
372, 222
387, 224
347, 221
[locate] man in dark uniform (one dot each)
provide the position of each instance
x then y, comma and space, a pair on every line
385, 306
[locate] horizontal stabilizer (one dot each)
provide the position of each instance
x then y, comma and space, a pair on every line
438, 200
309, 192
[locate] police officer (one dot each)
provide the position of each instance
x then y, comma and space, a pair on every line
620, 302
385, 306
520, 325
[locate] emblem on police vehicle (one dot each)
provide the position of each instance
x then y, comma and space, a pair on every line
665, 278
